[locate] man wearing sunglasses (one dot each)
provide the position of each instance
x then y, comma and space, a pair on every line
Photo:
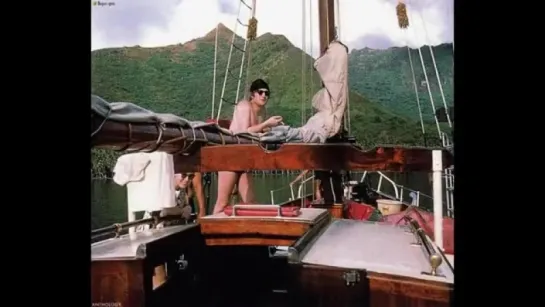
187, 186
247, 117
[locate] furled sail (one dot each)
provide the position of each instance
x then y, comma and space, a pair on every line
329, 102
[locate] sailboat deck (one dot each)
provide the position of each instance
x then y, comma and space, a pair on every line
133, 246
373, 247
223, 229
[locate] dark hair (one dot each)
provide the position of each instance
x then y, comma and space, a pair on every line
259, 84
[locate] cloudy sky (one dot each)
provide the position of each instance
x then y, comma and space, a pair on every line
363, 23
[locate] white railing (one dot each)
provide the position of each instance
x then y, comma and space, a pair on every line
278, 190
400, 191
445, 140
449, 177
301, 185
292, 190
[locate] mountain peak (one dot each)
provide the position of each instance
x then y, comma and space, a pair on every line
223, 32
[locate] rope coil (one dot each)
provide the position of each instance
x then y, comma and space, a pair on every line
252, 29
402, 18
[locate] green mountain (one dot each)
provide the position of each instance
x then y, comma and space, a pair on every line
385, 77
179, 79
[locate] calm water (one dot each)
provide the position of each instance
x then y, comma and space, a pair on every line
108, 200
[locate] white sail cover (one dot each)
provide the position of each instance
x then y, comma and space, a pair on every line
330, 101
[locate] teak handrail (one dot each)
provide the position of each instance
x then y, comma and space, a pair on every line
117, 228
434, 257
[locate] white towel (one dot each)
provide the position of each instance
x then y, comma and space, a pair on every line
130, 168
149, 178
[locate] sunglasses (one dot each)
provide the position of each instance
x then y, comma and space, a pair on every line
261, 92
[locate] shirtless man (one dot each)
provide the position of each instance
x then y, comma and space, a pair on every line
247, 117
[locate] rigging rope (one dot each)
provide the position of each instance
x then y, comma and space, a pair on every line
429, 92
303, 63
252, 35
303, 82
311, 41
401, 22
417, 96
228, 64
450, 9
215, 68
240, 72
252, 23
435, 67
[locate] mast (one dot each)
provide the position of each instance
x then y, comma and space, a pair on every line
326, 19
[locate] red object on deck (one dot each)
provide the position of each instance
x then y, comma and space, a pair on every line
267, 210
358, 211
425, 220
224, 123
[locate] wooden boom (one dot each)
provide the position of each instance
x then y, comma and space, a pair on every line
148, 137
203, 151
298, 156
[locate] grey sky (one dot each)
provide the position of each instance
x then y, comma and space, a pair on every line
443, 8
124, 23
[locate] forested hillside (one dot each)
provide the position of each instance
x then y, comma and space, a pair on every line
385, 77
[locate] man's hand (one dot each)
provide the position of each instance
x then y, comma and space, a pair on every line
273, 121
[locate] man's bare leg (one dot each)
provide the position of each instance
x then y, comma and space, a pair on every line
199, 193
226, 182
246, 189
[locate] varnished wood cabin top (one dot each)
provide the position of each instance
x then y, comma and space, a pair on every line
222, 229
308, 216
374, 247
132, 246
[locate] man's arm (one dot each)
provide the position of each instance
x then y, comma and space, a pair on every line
257, 128
241, 120
199, 193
